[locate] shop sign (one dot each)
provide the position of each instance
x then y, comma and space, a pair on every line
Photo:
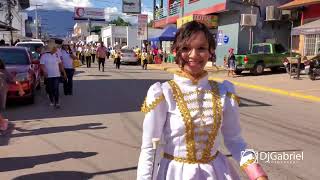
210, 20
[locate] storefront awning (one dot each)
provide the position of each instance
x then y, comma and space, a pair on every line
309, 28
299, 3
168, 34
5, 27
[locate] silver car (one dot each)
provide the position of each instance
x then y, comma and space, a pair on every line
128, 56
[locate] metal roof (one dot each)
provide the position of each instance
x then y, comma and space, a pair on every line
309, 28
299, 3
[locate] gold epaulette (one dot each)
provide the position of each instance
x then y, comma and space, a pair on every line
246, 164
234, 97
145, 108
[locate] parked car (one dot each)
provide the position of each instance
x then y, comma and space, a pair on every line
128, 56
263, 55
31, 45
20, 64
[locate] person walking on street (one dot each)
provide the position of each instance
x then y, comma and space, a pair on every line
81, 54
87, 55
5, 125
93, 52
52, 67
67, 59
231, 63
117, 59
9, 79
101, 55
144, 59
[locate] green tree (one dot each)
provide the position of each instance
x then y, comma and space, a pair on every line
120, 22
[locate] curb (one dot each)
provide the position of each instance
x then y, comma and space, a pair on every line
272, 90
250, 86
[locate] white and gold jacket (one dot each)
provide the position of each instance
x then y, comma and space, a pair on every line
190, 116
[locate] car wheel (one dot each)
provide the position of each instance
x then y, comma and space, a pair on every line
312, 76
258, 69
238, 72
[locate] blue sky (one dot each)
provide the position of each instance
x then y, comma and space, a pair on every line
112, 6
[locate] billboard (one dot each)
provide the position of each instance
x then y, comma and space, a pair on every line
84, 13
131, 6
210, 20
142, 26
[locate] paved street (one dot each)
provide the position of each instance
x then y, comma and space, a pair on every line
97, 132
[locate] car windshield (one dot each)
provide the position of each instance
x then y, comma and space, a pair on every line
127, 51
261, 49
14, 56
257, 50
30, 46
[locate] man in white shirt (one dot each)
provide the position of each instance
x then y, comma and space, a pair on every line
67, 58
52, 68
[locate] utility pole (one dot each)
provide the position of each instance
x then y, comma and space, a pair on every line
250, 31
9, 17
37, 21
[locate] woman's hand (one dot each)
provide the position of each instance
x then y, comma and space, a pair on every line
262, 178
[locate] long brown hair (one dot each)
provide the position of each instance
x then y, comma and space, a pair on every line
184, 34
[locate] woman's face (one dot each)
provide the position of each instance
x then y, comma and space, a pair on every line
195, 53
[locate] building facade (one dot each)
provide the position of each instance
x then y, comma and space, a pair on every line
125, 36
81, 29
304, 12
19, 19
230, 31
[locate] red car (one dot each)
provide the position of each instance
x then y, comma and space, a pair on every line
23, 68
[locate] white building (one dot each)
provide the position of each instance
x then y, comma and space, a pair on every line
18, 21
81, 29
125, 35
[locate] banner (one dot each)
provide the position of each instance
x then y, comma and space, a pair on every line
131, 6
210, 20
142, 26
83, 13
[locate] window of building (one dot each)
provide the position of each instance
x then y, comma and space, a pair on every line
117, 41
318, 45
123, 41
311, 44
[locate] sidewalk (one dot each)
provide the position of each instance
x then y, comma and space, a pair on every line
273, 83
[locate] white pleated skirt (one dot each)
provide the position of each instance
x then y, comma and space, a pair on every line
218, 169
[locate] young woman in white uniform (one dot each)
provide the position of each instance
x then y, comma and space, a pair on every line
190, 113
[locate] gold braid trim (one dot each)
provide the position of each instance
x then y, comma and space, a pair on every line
246, 164
182, 105
187, 75
185, 160
217, 111
234, 97
147, 108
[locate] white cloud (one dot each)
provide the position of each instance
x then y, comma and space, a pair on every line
60, 4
